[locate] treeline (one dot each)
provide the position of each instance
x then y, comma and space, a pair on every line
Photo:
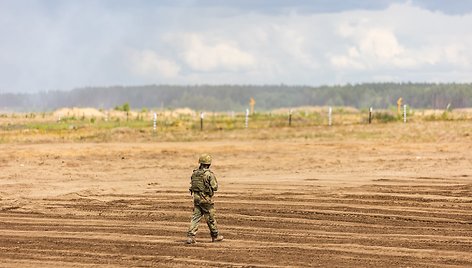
236, 97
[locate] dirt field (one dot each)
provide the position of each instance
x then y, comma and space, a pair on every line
356, 201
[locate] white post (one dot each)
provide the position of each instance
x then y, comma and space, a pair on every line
404, 113
246, 125
202, 115
155, 122
330, 113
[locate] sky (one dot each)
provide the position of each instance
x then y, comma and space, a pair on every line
65, 44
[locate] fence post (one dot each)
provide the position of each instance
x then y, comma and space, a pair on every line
202, 114
370, 115
290, 117
154, 125
246, 125
330, 115
404, 113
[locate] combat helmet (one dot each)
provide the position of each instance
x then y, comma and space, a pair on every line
205, 159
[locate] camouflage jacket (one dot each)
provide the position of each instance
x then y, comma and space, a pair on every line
203, 184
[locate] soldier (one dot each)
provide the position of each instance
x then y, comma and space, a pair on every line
203, 185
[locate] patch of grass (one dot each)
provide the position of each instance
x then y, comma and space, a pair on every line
444, 116
305, 125
385, 117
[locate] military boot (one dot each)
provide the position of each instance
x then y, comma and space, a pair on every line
217, 238
191, 240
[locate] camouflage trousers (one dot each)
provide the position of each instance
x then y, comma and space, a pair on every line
200, 210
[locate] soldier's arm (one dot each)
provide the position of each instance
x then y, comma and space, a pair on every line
190, 186
213, 182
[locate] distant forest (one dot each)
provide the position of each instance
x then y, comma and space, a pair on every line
236, 97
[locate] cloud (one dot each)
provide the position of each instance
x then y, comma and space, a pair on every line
377, 42
380, 44
148, 63
66, 44
454, 53
372, 47
205, 54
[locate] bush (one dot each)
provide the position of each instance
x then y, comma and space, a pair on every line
124, 108
384, 117
443, 117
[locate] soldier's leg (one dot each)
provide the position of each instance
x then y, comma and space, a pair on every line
196, 217
209, 212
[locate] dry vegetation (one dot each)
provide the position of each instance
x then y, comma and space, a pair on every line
112, 193
91, 125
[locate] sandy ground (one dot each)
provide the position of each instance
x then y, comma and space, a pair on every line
298, 202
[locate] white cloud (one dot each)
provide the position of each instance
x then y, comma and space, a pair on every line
372, 47
67, 45
148, 63
205, 54
454, 53
347, 62
381, 44
395, 40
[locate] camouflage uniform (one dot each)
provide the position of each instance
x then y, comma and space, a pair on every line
203, 184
